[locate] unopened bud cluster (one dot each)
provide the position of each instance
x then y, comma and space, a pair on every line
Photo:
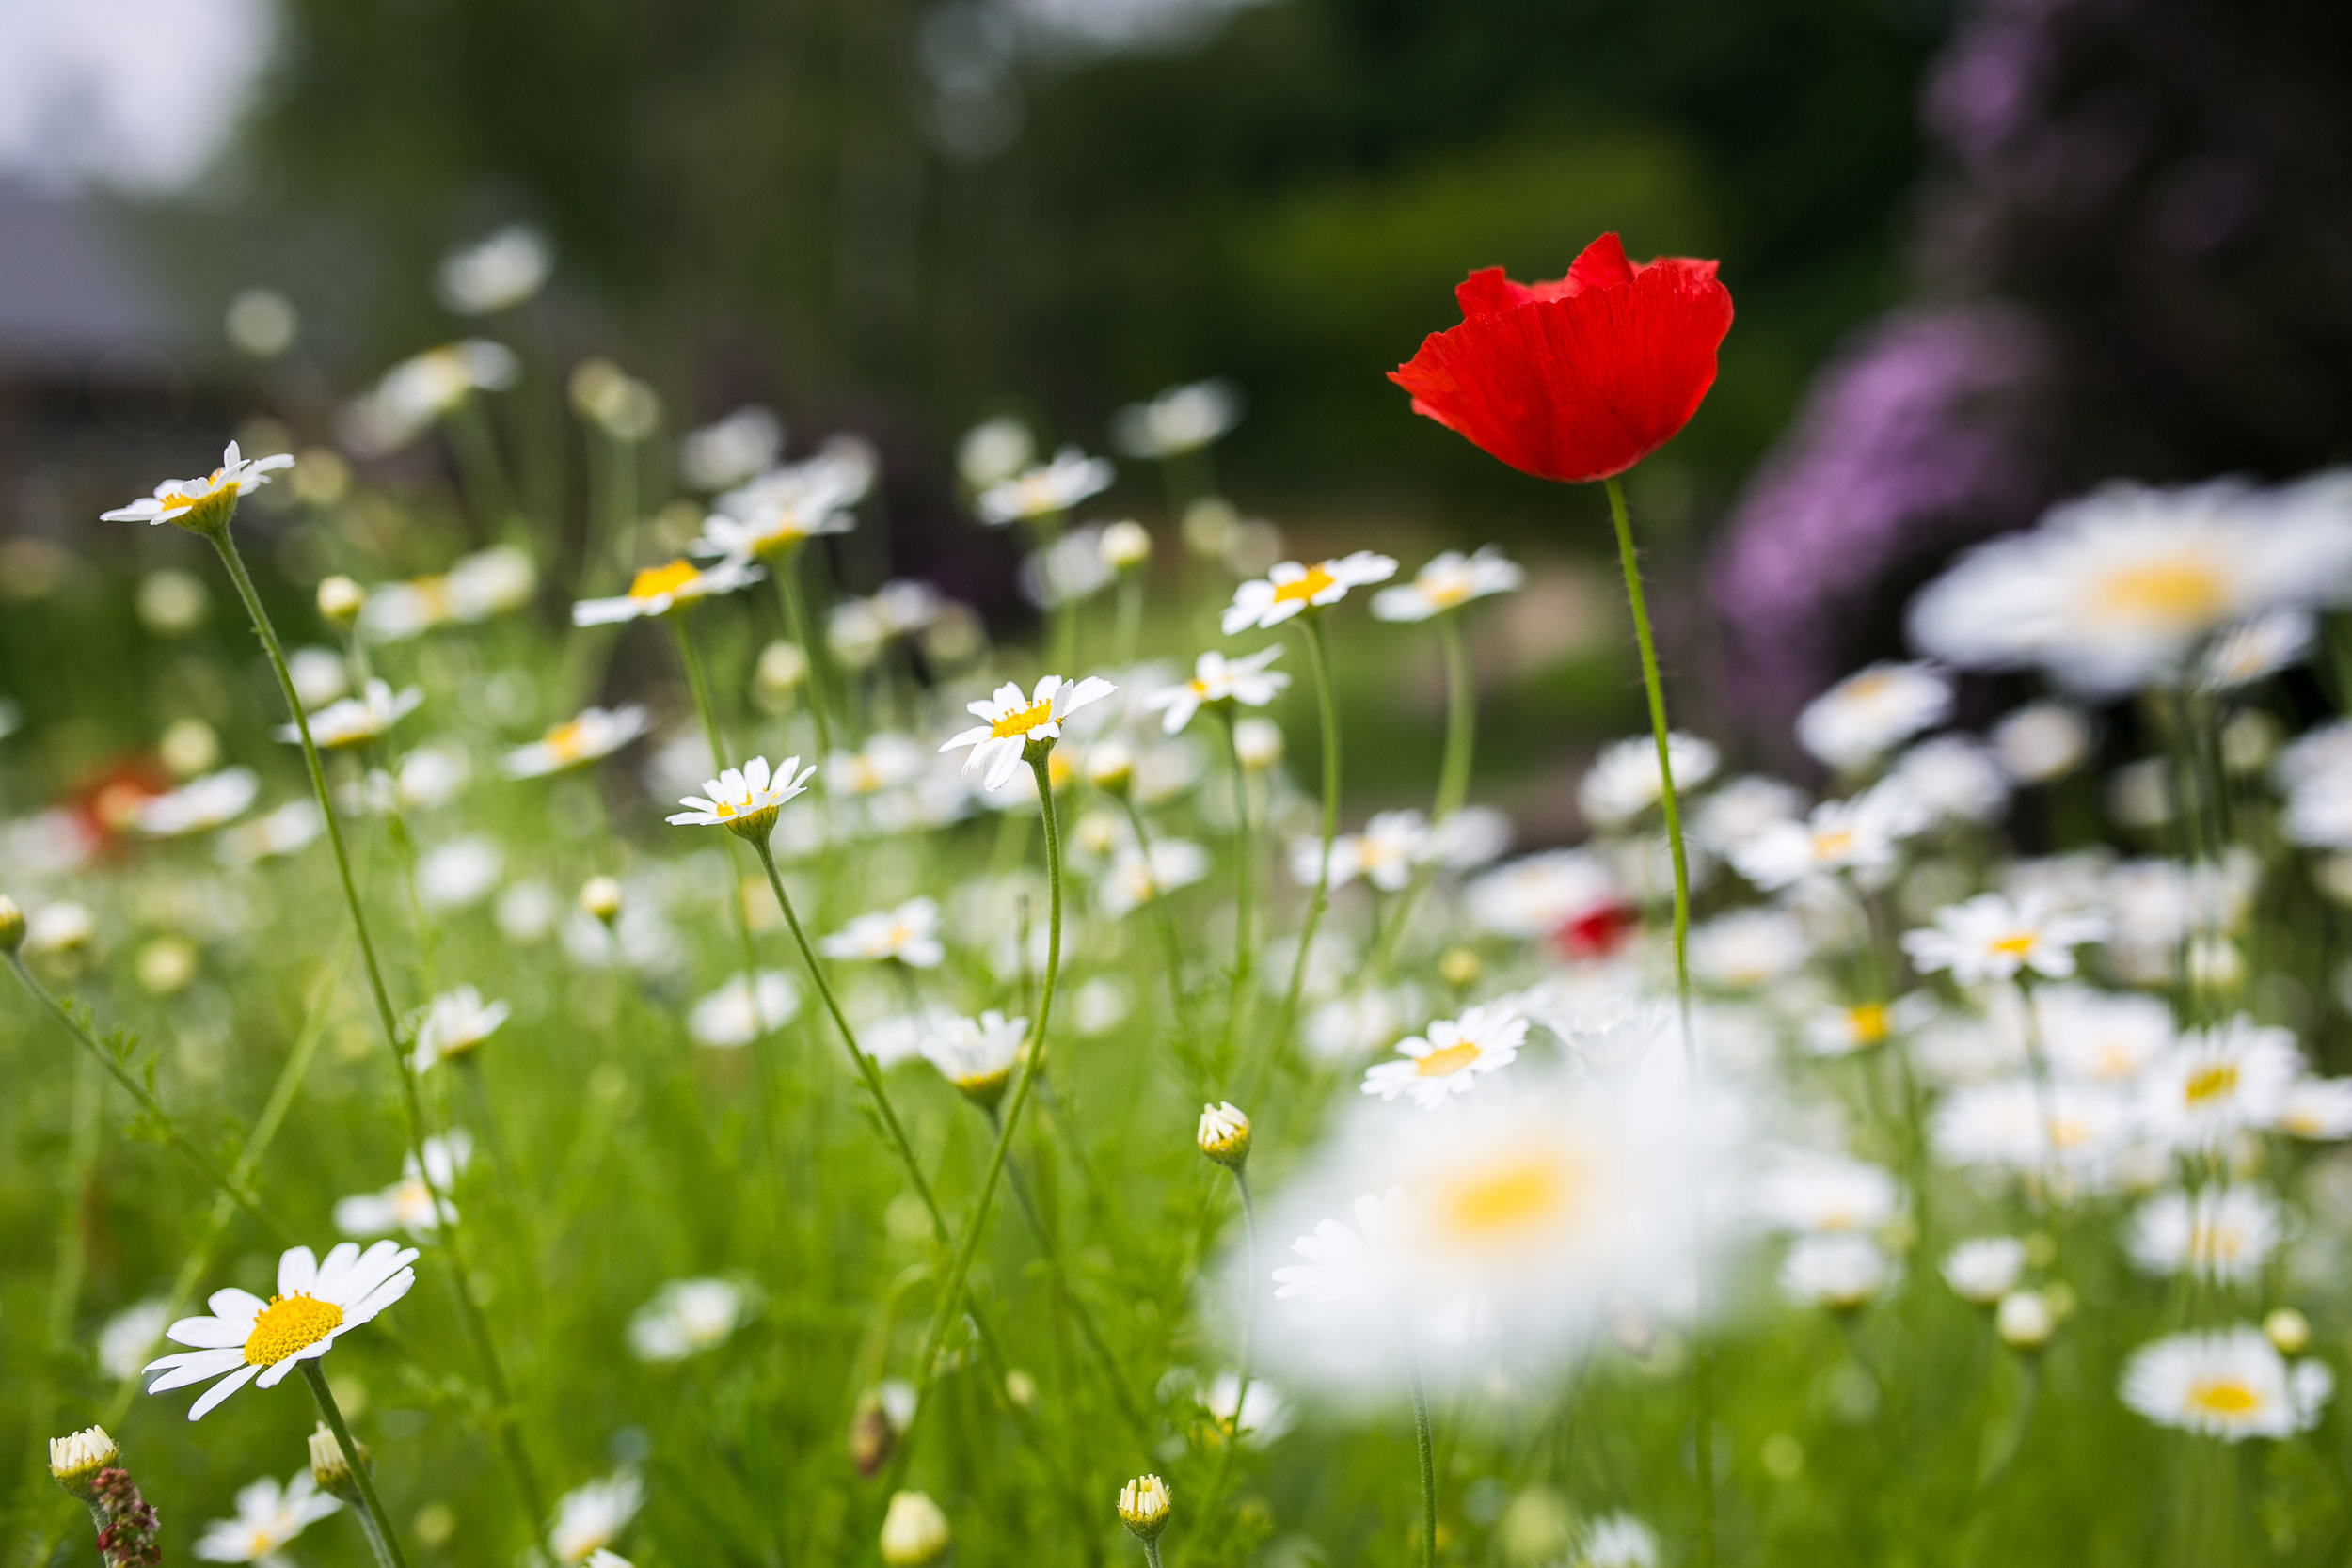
331, 1469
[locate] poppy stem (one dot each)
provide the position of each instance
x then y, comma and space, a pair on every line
1702, 1369
380, 1537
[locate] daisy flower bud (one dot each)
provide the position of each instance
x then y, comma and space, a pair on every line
76, 1460
12, 925
1144, 1505
1224, 1136
2023, 1320
1460, 967
2288, 1331
1125, 545
329, 1471
1110, 768
915, 1532
602, 897
1258, 742
340, 600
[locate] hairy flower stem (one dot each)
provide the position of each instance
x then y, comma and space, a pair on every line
1319, 662
386, 1545
812, 679
478, 1327
867, 1072
1702, 1367
1453, 776
697, 682
1427, 1441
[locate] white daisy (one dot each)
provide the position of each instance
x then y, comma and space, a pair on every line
2319, 1109
407, 1204
976, 1054
1071, 569
908, 933
738, 1013
2075, 1131
2100, 1036
477, 587
279, 832
659, 590
591, 736
1837, 1271
2230, 1384
420, 389
1991, 937
1848, 1029
1856, 723
1827, 1193
745, 801
1179, 419
1385, 854
785, 507
725, 452
888, 760
1347, 1263
1857, 838
994, 450
1568, 896
202, 505
686, 1316
1447, 581
2217, 1082
269, 1516
246, 1337
1016, 723
1290, 589
1624, 782
497, 271
1353, 1026
2114, 590
1747, 948
459, 874
1044, 491
355, 720
127, 1341
211, 802
2041, 741
426, 778
454, 1022
592, 1517
1135, 879
1951, 778
1218, 681
2221, 1234
1617, 1540
2252, 649
1984, 1269
1450, 1058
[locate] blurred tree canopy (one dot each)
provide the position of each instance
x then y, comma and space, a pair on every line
908, 214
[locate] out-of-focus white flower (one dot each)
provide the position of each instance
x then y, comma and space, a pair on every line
1045, 491
407, 1205
686, 1316
2114, 590
426, 778
2315, 773
1179, 419
1984, 1269
2263, 646
908, 933
659, 590
1449, 1059
454, 1022
976, 1054
591, 736
2217, 1082
994, 450
1217, 680
1741, 808
784, 507
1615, 1541
1016, 722
198, 805
476, 588
59, 927
1385, 854
419, 391
888, 760
1859, 720
281, 831
1568, 896
1290, 589
591, 1518
2073, 1132
269, 1517
1856, 838
725, 454
1135, 878
1846, 1030
1748, 949
459, 874
1258, 742
1352, 1026
355, 720
2319, 1109
1264, 1412
1827, 1193
1071, 569
1952, 779
2100, 1036
738, 1013
1447, 581
201, 505
1624, 782
319, 674
495, 273
127, 1341
1991, 937
2222, 1234
2043, 741
1836, 1271
2230, 1384
2024, 1321
261, 324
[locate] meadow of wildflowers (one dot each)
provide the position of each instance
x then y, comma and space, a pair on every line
876, 1093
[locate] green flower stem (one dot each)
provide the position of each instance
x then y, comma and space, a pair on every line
478, 1327
1129, 626
867, 1072
495, 509
1702, 1392
1248, 1334
697, 682
1319, 662
1423, 1436
381, 1537
1164, 919
229, 1186
813, 679
1152, 1554
1453, 775
1243, 877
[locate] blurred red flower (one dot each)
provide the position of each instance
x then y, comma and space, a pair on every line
1577, 379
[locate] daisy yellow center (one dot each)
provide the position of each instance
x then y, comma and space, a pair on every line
1864, 688
1869, 1021
2184, 591
654, 581
2015, 945
2223, 1395
1199, 688
721, 808
2215, 1241
1447, 591
1830, 843
568, 740
1446, 1062
290, 1323
1304, 587
1020, 720
2210, 1083
1506, 1197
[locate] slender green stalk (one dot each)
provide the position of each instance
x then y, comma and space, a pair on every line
1163, 918
1152, 1554
477, 1326
1453, 776
387, 1544
206, 1166
788, 570
1702, 1392
1243, 877
1422, 1435
698, 683
866, 1070
1128, 629
487, 487
1319, 660
1248, 1334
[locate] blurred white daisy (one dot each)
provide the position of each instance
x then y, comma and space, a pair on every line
686, 1316
1857, 838
908, 933
459, 874
1991, 937
269, 1517
200, 804
1351, 1026
1852, 1027
2073, 1132
1447, 581
355, 720
1220, 682
592, 734
2230, 1384
476, 588
2319, 1109
127, 1341
784, 509
426, 778
2252, 649
1984, 1269
246, 1337
659, 590
495, 273
1615, 1541
591, 1518
1385, 854
1017, 721
1179, 419
2041, 741
2100, 1036
1045, 491
994, 450
976, 1054
1290, 589
1135, 878
420, 389
1450, 1056
725, 452
1950, 778
1856, 723
1840, 1272
2220, 1234
1747, 948
202, 504
1624, 781
888, 760
738, 1013
2217, 1082
407, 1205
1827, 1193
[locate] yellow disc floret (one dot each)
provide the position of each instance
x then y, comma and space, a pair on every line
1020, 720
1315, 580
290, 1323
651, 583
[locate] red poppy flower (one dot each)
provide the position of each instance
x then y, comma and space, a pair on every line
1577, 379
